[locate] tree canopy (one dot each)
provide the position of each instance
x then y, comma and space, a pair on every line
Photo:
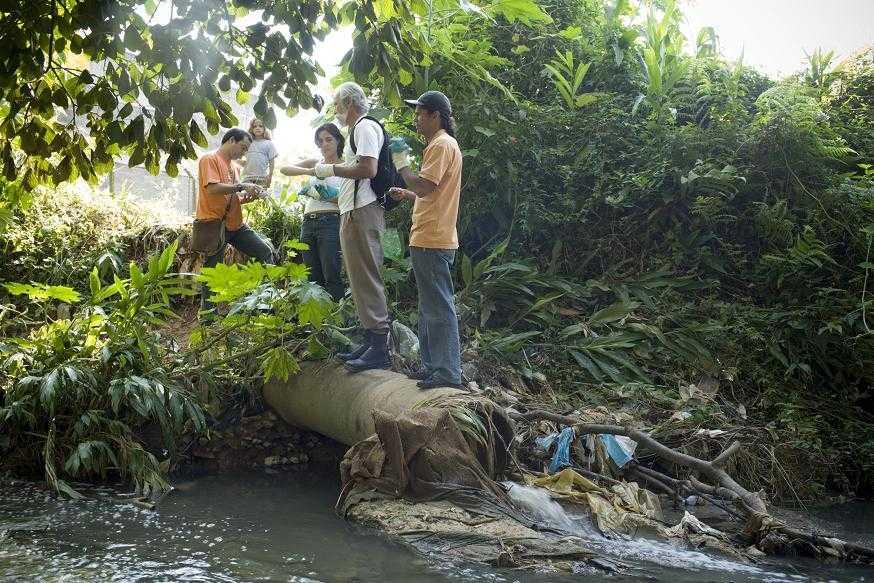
89, 80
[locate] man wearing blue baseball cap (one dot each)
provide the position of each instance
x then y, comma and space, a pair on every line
435, 193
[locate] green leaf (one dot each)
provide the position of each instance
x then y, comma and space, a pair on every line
136, 277
231, 282
613, 312
466, 270
196, 134
94, 282
315, 304
279, 363
525, 11
588, 99
391, 244
588, 364
41, 291
297, 245
512, 342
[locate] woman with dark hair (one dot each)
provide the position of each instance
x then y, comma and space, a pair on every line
321, 219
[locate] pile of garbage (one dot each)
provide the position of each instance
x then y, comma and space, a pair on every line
432, 478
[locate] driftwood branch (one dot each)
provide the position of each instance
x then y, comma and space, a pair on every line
750, 502
759, 523
726, 455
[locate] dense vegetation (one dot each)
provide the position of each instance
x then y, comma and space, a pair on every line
645, 226
679, 235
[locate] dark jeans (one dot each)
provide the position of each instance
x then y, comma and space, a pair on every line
322, 234
439, 344
245, 240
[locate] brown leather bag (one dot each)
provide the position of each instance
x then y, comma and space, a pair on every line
208, 235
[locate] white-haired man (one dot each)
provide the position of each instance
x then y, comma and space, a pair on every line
362, 222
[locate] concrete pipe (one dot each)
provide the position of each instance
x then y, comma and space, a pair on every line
324, 397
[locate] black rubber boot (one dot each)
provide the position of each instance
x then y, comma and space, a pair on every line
376, 356
358, 351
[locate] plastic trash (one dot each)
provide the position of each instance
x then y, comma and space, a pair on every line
619, 448
397, 144
319, 190
406, 342
562, 441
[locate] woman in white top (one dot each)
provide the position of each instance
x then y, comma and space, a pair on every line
321, 223
260, 157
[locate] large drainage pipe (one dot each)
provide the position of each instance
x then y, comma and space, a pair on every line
324, 397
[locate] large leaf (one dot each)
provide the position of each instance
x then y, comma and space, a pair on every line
41, 291
525, 11
315, 304
230, 282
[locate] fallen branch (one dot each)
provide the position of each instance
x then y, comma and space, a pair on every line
750, 502
760, 525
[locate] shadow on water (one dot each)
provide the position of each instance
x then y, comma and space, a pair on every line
261, 527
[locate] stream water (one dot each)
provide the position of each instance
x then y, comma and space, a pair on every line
281, 527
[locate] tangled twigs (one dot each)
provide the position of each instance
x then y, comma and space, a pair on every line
748, 502
762, 529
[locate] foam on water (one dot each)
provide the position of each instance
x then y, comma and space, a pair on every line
540, 505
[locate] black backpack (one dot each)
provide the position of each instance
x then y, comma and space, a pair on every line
386, 173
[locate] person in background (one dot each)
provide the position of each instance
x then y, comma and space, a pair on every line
321, 222
218, 198
435, 193
261, 156
362, 222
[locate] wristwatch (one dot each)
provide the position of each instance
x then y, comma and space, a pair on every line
240, 188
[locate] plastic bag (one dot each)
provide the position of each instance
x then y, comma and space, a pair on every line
562, 441
619, 448
406, 342
319, 189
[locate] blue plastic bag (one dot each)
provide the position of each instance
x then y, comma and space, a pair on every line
619, 454
319, 190
562, 456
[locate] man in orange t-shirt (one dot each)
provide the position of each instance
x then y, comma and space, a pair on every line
435, 192
218, 197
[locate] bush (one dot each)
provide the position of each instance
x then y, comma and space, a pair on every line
62, 233
76, 390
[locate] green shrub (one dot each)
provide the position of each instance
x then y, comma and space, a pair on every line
76, 390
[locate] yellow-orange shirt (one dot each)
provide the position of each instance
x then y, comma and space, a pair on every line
213, 169
435, 215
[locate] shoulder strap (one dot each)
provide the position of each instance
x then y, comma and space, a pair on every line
355, 150
228, 206
352, 131
233, 194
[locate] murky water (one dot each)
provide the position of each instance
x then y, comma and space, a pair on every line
260, 527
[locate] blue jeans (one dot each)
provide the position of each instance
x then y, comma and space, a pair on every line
246, 240
439, 344
322, 233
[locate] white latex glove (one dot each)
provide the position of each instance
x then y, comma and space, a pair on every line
323, 170
401, 159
